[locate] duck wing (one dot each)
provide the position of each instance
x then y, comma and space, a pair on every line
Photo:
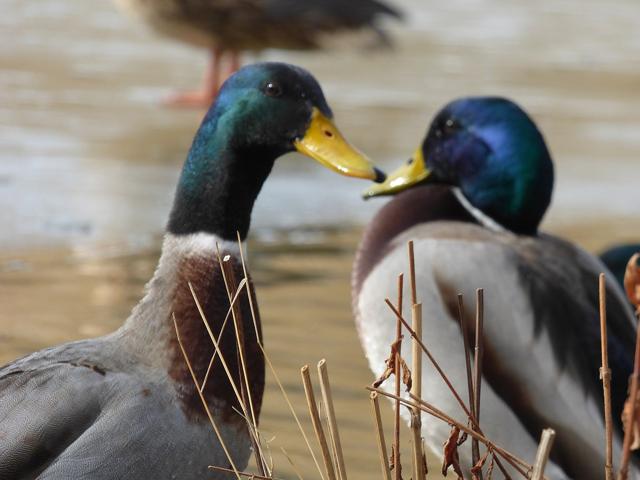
541, 329
49, 399
74, 412
558, 271
542, 342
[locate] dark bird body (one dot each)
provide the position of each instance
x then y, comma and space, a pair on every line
229, 27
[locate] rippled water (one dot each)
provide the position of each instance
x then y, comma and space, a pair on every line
89, 160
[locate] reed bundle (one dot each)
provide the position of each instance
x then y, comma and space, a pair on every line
487, 456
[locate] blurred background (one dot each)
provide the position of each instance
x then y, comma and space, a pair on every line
89, 159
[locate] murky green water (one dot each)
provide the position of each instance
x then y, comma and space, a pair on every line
89, 159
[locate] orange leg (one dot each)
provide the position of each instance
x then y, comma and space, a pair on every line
209, 89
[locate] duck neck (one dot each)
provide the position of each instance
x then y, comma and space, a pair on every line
190, 268
219, 184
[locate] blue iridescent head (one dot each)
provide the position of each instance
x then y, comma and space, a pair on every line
262, 112
493, 152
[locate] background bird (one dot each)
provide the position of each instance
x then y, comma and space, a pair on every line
228, 27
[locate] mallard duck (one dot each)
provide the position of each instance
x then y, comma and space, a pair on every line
617, 257
227, 28
124, 405
472, 198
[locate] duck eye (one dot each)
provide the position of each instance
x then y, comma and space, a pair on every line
272, 89
410, 161
452, 126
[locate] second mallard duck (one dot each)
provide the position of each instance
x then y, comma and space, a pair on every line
477, 189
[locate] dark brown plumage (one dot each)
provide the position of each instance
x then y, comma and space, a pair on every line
228, 27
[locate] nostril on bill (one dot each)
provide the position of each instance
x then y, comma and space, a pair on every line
380, 175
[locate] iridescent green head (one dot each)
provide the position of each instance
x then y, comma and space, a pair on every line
493, 152
262, 112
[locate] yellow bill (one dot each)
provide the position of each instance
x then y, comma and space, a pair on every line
412, 172
324, 142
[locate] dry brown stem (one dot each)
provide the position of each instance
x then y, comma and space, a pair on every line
317, 424
327, 399
204, 401
238, 324
246, 283
251, 476
605, 376
445, 378
382, 444
475, 447
520, 465
291, 462
477, 373
476, 470
292, 410
416, 369
542, 455
631, 407
397, 466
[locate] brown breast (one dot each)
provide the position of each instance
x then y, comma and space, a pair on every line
205, 276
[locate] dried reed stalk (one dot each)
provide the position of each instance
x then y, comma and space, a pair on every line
632, 287
327, 399
216, 346
268, 360
253, 433
291, 462
416, 369
249, 289
204, 401
477, 373
629, 424
517, 463
251, 476
229, 279
444, 377
382, 444
241, 286
542, 455
397, 467
416, 389
317, 424
292, 410
475, 448
605, 376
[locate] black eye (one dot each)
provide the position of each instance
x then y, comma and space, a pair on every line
272, 89
451, 126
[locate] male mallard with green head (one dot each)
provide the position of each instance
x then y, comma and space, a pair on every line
124, 405
227, 28
476, 191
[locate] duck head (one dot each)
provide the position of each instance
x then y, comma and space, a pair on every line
262, 112
493, 152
